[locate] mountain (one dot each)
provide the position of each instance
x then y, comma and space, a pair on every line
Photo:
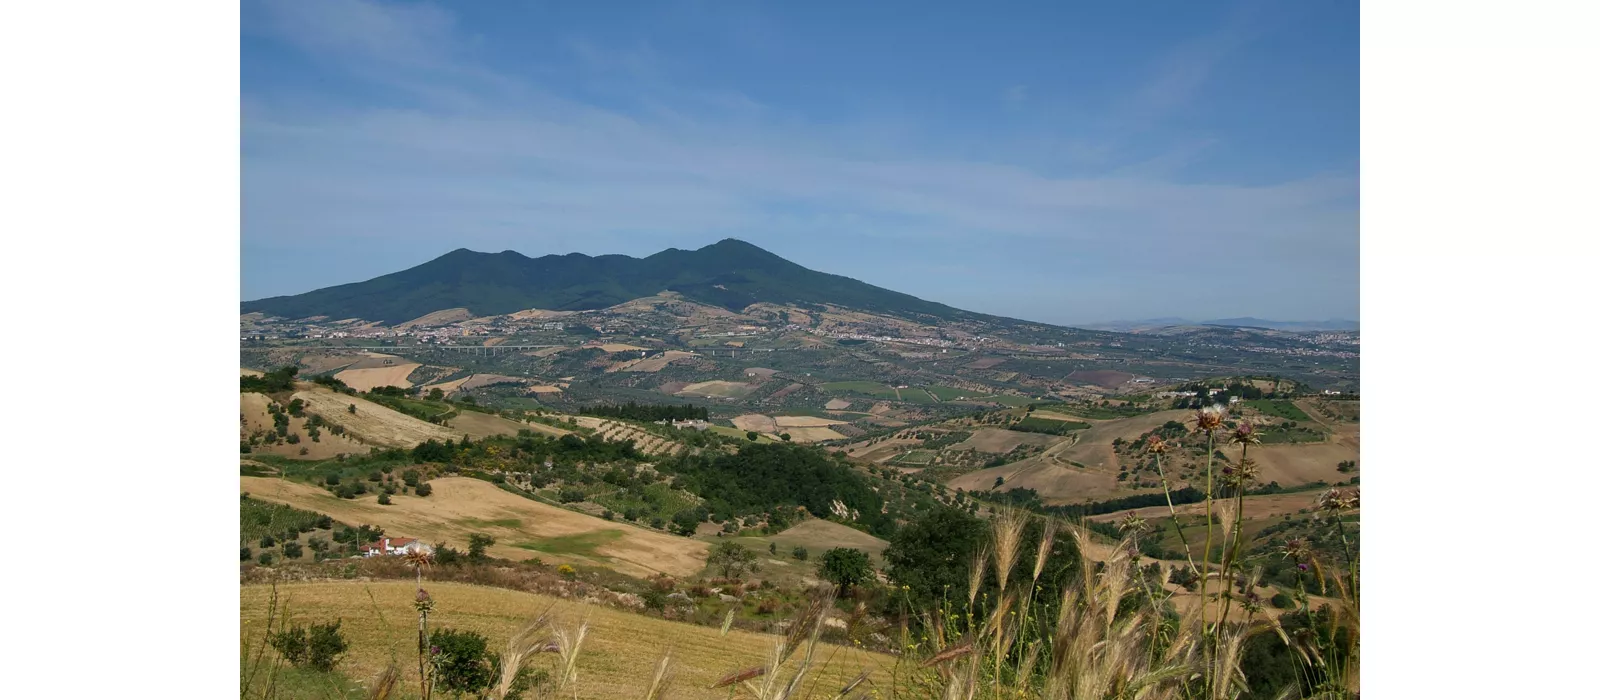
731, 274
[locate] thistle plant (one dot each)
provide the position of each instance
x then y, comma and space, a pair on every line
419, 560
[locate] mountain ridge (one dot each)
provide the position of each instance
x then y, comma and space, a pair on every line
730, 273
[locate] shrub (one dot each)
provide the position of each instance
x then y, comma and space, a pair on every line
244, 554
462, 664
1282, 600
265, 559
267, 541
800, 553
332, 480
476, 544
424, 490
318, 647
654, 599
567, 572
383, 499
411, 477
292, 550
445, 556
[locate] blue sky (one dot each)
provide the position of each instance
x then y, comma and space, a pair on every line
1061, 162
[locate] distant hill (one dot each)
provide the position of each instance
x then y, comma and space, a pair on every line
1243, 322
1332, 324
731, 274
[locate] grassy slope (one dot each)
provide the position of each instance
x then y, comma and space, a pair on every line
617, 658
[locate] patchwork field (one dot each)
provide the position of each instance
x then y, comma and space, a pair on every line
477, 381
617, 659
617, 431
1002, 441
756, 422
837, 405
986, 362
1055, 483
1107, 378
717, 389
806, 421
374, 424
868, 388
813, 434
651, 364
366, 378
461, 506
619, 347
449, 387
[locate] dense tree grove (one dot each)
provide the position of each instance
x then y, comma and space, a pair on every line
647, 412
931, 557
280, 379
764, 477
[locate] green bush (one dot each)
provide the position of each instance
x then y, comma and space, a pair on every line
267, 541
423, 489
462, 663
265, 559
244, 554
846, 567
383, 499
800, 553
292, 550
411, 477
1282, 600
318, 647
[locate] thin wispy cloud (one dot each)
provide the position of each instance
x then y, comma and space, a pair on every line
491, 155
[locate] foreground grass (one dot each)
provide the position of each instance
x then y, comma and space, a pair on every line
618, 657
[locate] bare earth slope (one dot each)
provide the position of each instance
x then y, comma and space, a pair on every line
374, 424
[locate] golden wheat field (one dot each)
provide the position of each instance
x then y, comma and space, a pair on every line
616, 660
522, 528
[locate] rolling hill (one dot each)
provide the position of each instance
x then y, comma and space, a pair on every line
730, 274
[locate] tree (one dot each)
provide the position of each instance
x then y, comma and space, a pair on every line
772, 548
292, 550
751, 435
318, 648
436, 394
931, 555
685, 521
424, 489
476, 544
383, 499
352, 409
800, 553
846, 567
732, 559
784, 437
999, 481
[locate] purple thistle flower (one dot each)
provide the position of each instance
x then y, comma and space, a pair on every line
1303, 567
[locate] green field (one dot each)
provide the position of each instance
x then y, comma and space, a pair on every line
1281, 409
735, 432
916, 395
857, 387
582, 544
915, 457
949, 393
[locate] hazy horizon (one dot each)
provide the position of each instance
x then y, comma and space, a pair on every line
1069, 165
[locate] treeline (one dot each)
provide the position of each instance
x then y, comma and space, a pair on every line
1029, 499
280, 379
647, 412
531, 449
1048, 427
763, 478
